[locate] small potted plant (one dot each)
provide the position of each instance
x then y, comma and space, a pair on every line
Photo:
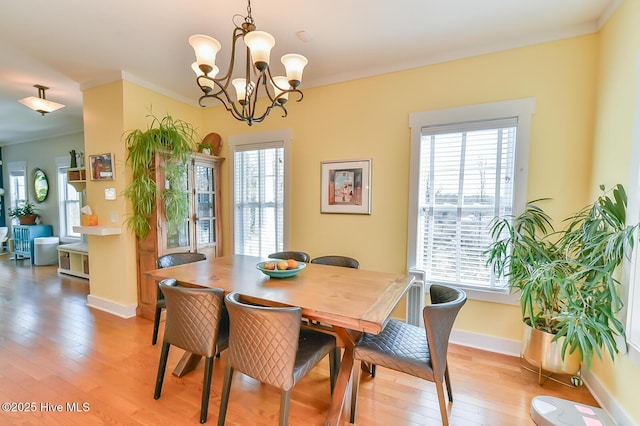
211, 144
25, 214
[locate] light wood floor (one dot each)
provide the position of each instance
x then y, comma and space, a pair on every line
55, 350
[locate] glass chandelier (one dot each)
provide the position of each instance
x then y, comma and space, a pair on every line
257, 81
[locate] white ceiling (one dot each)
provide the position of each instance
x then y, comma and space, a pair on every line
70, 45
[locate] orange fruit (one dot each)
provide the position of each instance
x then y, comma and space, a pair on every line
292, 264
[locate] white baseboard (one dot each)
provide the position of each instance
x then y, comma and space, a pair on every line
606, 402
123, 311
512, 347
487, 343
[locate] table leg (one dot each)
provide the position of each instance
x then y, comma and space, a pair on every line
341, 389
187, 363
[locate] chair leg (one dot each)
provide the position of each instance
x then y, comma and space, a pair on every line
368, 368
448, 382
443, 407
161, 369
355, 387
337, 359
156, 325
334, 359
226, 388
206, 389
285, 399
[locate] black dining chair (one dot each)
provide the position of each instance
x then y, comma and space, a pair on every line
195, 323
166, 261
333, 260
345, 262
420, 352
300, 256
267, 343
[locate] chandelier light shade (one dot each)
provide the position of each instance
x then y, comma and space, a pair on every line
41, 104
256, 81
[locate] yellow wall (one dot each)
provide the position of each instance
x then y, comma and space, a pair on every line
616, 108
109, 256
110, 111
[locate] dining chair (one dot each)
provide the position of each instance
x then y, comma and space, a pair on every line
267, 343
166, 261
407, 348
345, 261
300, 256
194, 323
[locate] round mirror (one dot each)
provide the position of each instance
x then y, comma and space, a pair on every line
40, 185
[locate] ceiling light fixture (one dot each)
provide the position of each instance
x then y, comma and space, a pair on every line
41, 104
258, 48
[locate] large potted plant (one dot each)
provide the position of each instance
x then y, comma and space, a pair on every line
169, 136
26, 214
567, 279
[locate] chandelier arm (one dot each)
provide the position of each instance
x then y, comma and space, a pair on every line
228, 103
231, 108
272, 98
299, 92
237, 33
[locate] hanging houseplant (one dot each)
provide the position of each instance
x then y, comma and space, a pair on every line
567, 279
169, 136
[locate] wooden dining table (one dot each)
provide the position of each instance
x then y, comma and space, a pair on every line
349, 301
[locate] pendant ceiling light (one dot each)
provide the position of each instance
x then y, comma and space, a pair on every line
257, 80
41, 104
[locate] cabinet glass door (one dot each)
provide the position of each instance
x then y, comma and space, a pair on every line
178, 235
205, 204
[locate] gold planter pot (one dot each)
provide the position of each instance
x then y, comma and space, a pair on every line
540, 351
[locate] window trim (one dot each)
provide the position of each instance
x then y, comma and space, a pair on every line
262, 140
521, 108
12, 167
631, 269
63, 163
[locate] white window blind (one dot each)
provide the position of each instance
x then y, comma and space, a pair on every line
17, 183
466, 179
259, 199
69, 202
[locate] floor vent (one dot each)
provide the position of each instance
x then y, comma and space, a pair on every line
415, 298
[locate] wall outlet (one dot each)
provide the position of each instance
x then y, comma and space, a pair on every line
114, 217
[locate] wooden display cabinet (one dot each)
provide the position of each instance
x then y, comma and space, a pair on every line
200, 231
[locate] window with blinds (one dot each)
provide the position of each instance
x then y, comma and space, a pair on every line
17, 183
468, 165
466, 179
69, 202
259, 199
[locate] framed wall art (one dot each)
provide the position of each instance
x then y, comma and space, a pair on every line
345, 187
101, 167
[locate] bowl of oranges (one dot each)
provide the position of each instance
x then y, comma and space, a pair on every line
277, 268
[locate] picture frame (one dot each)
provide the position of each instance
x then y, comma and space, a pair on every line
345, 187
101, 167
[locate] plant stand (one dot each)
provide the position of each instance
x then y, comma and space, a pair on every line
543, 375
